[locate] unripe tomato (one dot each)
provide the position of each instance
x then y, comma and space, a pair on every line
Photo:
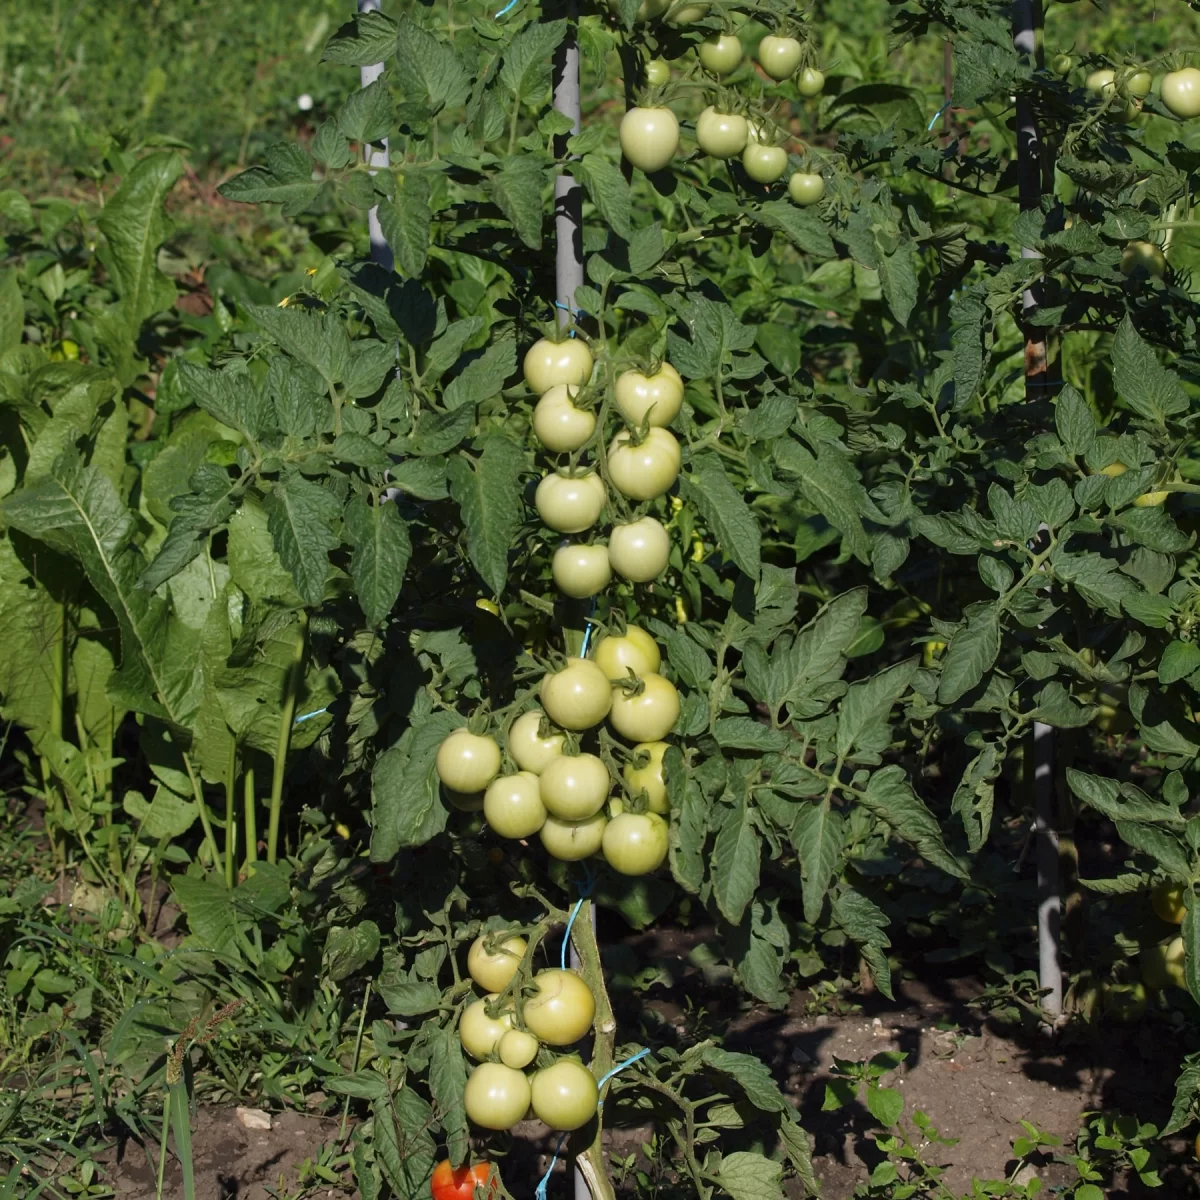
806, 188
581, 571
1061, 64
635, 843
496, 1096
687, 14
578, 696
636, 651
468, 762
1125, 1001
512, 805
764, 164
1102, 81
530, 751
547, 364
571, 841
1150, 499
658, 72
1162, 965
570, 503
1181, 92
650, 714
565, 1095
574, 787
779, 56
649, 137
494, 970
648, 777
721, 134
646, 469
720, 53
463, 1183
651, 10
1167, 902
660, 395
640, 550
558, 424
1114, 469
563, 1009
479, 1033
1137, 83
70, 349
810, 82
517, 1049
1143, 259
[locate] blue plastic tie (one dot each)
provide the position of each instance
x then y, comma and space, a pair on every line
587, 633
309, 716
507, 8
620, 1067
540, 1193
578, 312
567, 932
934, 118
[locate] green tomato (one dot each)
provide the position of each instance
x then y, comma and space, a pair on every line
810, 82
644, 773
635, 651
562, 1010
574, 786
517, 1049
651, 10
640, 550
513, 807
493, 970
721, 134
657, 398
1162, 965
496, 1096
570, 503
687, 14
720, 53
648, 715
558, 424
565, 1095
1102, 81
570, 841
806, 188
779, 56
577, 697
649, 137
1181, 92
581, 571
646, 469
1125, 1001
635, 843
547, 364
468, 762
529, 749
658, 72
1061, 64
1137, 83
1167, 902
764, 164
480, 1034
1143, 259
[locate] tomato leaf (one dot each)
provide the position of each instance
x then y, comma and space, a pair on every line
725, 510
735, 861
486, 490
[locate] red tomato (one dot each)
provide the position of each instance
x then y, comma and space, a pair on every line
449, 1184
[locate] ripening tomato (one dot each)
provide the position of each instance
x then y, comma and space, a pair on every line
764, 164
468, 762
806, 188
634, 651
1162, 965
720, 53
779, 56
635, 843
1136, 83
547, 364
810, 82
565, 1095
496, 1096
571, 841
570, 503
1114, 469
563, 1009
577, 697
1181, 92
574, 786
1143, 259
493, 970
529, 749
654, 398
1102, 82
648, 715
517, 1049
1167, 902
647, 469
644, 773
479, 1033
581, 571
463, 1183
640, 550
658, 72
558, 424
721, 134
649, 137
512, 805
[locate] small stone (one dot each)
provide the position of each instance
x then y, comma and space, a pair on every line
798, 1056
1025, 1175
253, 1118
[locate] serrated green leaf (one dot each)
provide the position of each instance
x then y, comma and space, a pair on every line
890, 796
487, 492
817, 834
1141, 381
725, 512
735, 861
748, 1176
407, 223
301, 516
517, 191
366, 39
381, 552
608, 190
971, 653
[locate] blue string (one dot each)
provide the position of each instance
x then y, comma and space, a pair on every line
620, 1067
540, 1193
507, 8
309, 716
933, 119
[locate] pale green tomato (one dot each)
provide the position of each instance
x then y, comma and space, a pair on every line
581, 571
636, 651
1162, 965
1181, 92
547, 364
570, 841
764, 164
480, 1034
468, 762
810, 82
635, 843
517, 1049
1102, 81
658, 72
640, 550
558, 424
574, 786
1061, 64
1137, 83
687, 14
496, 1096
530, 751
651, 10
646, 469
570, 503
721, 53
493, 970
806, 188
512, 805
1167, 901
649, 137
658, 396
721, 134
779, 56
650, 714
1143, 258
565, 1095
563, 1009
577, 697
648, 778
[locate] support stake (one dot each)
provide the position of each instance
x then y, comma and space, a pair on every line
381, 252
